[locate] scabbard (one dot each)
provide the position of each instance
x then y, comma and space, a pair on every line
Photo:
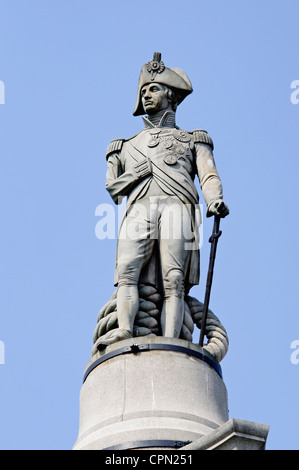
214, 241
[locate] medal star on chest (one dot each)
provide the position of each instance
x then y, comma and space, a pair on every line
172, 142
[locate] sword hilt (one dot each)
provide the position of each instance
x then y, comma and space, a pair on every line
214, 236
216, 232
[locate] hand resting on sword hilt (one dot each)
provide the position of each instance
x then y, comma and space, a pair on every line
219, 208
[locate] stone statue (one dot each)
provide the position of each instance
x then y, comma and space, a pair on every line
157, 259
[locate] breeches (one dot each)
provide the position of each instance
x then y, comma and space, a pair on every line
164, 220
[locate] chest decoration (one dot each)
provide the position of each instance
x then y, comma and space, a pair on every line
173, 143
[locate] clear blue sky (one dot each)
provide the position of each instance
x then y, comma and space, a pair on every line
70, 70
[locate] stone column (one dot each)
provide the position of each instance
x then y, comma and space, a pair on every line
150, 393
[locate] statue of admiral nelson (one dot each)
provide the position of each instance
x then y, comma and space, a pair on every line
155, 170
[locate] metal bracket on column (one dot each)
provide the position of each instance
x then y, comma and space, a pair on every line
148, 444
139, 348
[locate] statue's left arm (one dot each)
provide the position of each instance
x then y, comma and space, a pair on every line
209, 179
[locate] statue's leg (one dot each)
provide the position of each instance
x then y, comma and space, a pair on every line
135, 246
127, 306
172, 314
132, 256
174, 261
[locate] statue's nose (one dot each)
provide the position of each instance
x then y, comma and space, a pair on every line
147, 94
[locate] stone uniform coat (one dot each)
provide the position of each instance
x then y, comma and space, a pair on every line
169, 158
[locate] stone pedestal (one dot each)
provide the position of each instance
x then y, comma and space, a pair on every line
235, 434
150, 393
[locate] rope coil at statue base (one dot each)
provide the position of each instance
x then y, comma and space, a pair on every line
147, 321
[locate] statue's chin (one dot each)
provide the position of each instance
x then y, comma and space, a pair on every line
151, 110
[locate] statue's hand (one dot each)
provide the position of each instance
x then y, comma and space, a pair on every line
218, 207
143, 168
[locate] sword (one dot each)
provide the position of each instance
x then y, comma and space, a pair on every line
213, 240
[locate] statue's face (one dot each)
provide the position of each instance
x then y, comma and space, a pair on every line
154, 98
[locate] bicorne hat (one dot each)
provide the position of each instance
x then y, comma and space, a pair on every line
155, 71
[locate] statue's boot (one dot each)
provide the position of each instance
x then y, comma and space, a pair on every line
113, 336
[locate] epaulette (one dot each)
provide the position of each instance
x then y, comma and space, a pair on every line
201, 136
114, 146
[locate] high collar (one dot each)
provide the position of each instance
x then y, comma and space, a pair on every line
166, 120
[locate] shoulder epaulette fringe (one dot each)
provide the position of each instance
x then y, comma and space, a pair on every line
114, 146
201, 136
